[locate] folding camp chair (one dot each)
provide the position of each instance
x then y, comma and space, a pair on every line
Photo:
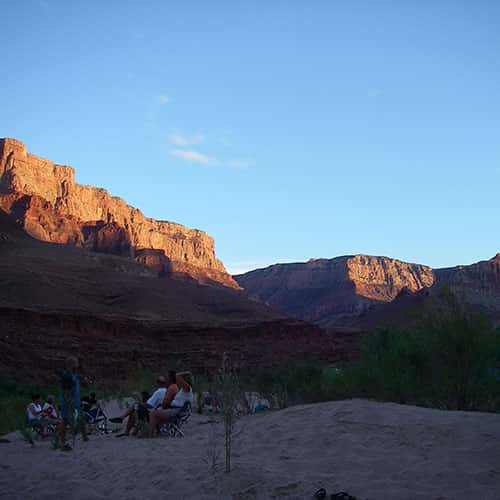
96, 419
173, 427
40, 429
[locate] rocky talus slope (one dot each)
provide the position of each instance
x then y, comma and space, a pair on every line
48, 204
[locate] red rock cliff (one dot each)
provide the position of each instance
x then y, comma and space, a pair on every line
340, 292
330, 291
48, 203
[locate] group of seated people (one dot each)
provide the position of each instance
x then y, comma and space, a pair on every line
173, 392
45, 415
42, 416
171, 395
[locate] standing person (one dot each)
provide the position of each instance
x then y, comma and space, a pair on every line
184, 394
69, 401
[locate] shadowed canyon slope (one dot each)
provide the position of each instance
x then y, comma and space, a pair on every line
45, 200
340, 291
119, 316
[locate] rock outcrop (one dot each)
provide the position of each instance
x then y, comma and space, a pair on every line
478, 283
118, 317
46, 201
338, 292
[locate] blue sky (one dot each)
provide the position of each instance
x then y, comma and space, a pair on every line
285, 129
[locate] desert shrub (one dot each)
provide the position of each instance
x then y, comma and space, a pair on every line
296, 384
449, 359
227, 389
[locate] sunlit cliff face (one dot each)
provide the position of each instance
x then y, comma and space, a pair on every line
51, 206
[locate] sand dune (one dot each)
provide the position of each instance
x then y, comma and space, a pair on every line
373, 450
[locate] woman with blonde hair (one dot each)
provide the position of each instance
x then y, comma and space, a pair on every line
184, 381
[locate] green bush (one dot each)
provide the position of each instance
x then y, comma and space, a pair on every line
296, 384
449, 359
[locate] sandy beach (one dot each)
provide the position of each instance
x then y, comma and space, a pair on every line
371, 450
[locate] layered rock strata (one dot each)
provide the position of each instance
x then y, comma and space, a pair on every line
118, 317
330, 292
338, 292
46, 201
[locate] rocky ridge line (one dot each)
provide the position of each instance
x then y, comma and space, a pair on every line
337, 292
47, 203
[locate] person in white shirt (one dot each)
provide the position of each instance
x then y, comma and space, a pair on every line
184, 381
49, 409
36, 416
156, 398
34, 409
141, 410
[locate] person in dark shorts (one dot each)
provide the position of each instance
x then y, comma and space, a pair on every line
140, 411
90, 405
69, 402
89, 401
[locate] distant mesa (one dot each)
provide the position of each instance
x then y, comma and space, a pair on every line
48, 204
343, 291
81, 268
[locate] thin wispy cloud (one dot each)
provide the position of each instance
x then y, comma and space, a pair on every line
192, 156
185, 140
182, 149
164, 99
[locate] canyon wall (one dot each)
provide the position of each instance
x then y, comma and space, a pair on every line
47, 203
382, 278
110, 350
118, 317
477, 283
341, 292
330, 292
